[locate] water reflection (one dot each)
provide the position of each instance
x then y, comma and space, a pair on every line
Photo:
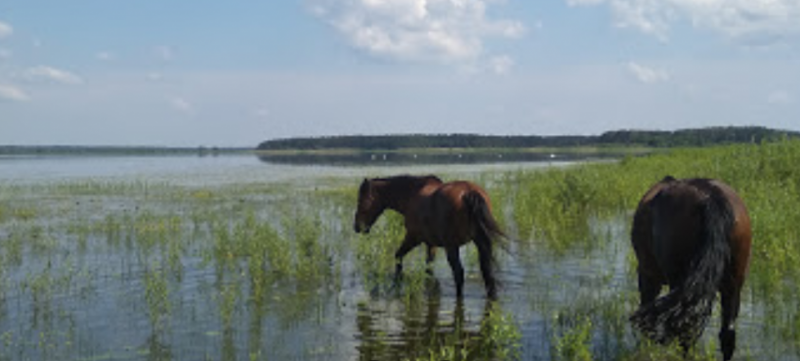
417, 328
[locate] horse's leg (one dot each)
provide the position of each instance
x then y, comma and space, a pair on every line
485, 258
408, 244
730, 299
458, 271
649, 288
430, 259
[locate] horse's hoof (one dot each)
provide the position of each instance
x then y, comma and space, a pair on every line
728, 341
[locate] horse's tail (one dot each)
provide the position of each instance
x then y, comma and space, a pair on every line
487, 231
684, 312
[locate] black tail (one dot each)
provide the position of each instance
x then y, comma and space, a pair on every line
684, 312
486, 229
485, 233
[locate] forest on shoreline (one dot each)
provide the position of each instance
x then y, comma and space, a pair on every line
620, 138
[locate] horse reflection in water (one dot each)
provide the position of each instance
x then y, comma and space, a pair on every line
437, 214
693, 235
421, 326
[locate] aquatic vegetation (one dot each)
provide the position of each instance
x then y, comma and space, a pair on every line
575, 343
243, 270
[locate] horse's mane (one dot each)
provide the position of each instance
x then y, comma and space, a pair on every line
406, 181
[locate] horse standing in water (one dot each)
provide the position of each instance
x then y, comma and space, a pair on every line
437, 214
693, 235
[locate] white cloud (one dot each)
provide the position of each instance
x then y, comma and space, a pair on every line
5, 30
780, 97
583, 2
443, 31
501, 64
747, 21
646, 74
46, 73
182, 105
12, 93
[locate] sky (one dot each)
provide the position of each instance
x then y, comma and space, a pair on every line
236, 73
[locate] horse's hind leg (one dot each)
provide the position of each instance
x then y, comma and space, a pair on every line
458, 271
730, 311
429, 260
649, 288
485, 258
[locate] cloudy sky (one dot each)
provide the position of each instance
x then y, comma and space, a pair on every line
234, 73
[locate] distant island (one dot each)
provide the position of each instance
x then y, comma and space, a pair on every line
620, 138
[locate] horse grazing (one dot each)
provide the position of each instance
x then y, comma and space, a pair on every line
693, 235
437, 214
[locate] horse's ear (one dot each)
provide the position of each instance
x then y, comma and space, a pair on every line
366, 186
668, 179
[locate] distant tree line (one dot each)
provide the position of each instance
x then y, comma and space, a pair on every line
679, 138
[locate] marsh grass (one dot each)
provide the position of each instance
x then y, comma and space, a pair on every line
555, 210
60, 243
278, 257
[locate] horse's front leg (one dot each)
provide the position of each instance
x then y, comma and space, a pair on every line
409, 243
458, 271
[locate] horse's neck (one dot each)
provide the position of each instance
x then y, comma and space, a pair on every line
398, 202
398, 199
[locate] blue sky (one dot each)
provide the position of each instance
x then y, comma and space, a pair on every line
214, 73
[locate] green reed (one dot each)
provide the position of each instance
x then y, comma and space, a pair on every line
553, 207
556, 209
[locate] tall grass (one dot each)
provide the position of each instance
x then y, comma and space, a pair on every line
555, 206
554, 210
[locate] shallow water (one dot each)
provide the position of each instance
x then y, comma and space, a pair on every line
149, 258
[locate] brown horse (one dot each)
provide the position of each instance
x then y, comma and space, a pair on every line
693, 235
437, 214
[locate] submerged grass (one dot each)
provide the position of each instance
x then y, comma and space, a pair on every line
272, 257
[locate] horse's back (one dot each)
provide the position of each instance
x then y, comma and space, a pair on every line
667, 227
447, 217
453, 193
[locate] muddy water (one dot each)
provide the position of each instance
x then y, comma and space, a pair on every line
126, 258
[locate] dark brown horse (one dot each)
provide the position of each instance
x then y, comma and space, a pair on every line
437, 214
694, 236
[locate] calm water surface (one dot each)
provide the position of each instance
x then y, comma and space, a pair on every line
78, 281
218, 170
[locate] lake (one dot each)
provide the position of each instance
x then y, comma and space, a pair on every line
234, 258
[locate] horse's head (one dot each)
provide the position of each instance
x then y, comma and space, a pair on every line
370, 207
